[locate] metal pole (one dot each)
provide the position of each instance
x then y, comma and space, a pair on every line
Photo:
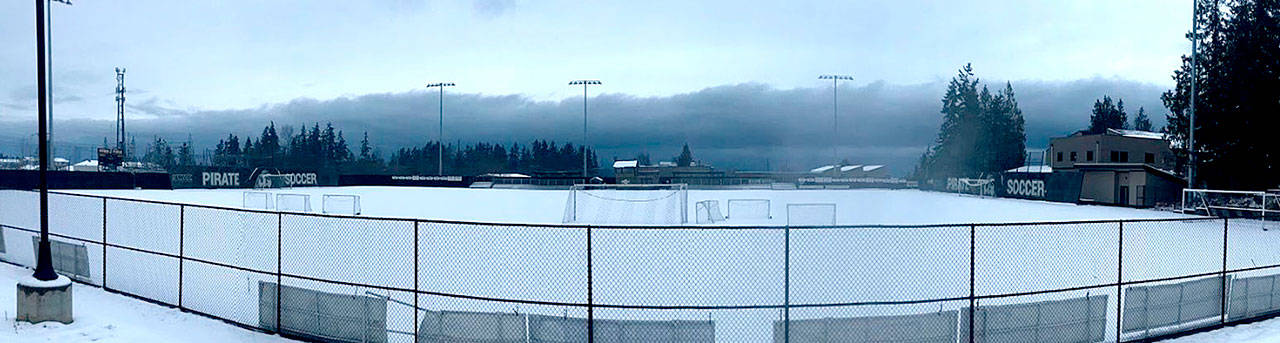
416, 334
1119, 278
973, 261
584, 131
786, 284
44, 263
835, 127
1191, 129
590, 299
440, 144
182, 220
1225, 228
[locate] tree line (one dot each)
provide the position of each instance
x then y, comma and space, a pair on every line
325, 149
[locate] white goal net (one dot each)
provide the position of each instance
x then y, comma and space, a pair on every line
1260, 207
257, 200
749, 209
340, 204
293, 202
811, 214
707, 212
627, 204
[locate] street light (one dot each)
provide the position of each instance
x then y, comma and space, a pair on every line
440, 144
44, 262
584, 84
1191, 129
835, 129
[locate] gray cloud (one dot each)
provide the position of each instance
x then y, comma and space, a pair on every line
743, 126
493, 8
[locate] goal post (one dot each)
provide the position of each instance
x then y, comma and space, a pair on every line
749, 209
980, 187
293, 202
257, 200
707, 212
627, 204
817, 214
340, 204
1262, 206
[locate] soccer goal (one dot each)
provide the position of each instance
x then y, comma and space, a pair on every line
627, 204
811, 214
1261, 207
340, 204
257, 200
293, 202
707, 212
749, 209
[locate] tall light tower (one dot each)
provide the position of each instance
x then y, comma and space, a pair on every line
440, 144
835, 129
120, 111
584, 84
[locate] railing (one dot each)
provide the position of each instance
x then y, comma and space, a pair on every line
370, 279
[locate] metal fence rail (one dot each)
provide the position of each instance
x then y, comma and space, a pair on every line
342, 278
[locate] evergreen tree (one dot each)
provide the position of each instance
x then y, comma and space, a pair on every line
981, 133
686, 157
1141, 122
1237, 75
1107, 115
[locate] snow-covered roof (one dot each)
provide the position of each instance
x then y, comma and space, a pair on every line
822, 169
60, 160
871, 167
1137, 134
1031, 169
852, 167
507, 175
666, 164
87, 163
626, 164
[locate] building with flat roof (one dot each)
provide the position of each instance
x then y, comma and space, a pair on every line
1119, 167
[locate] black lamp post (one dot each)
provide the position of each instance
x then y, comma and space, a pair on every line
44, 261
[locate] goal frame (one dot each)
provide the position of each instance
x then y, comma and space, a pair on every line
681, 189
1268, 203
768, 207
269, 204
324, 203
279, 196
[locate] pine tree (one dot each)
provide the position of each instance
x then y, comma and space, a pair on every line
981, 133
686, 157
1141, 122
1107, 115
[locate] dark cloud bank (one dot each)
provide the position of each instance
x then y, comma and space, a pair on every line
745, 126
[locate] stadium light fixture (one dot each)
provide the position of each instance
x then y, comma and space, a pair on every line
835, 129
440, 144
584, 84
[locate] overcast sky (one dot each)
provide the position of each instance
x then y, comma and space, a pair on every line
194, 64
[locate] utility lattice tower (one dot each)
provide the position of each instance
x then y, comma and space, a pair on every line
120, 110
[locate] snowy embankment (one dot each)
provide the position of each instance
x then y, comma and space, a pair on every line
105, 317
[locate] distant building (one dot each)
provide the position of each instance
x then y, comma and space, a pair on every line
1119, 167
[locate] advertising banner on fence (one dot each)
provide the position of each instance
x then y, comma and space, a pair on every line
231, 177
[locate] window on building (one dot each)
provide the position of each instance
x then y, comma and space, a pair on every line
1073, 156
1115, 156
1059, 156
1142, 195
1124, 156
1088, 156
1149, 158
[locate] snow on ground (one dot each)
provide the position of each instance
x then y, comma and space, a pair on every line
1267, 331
104, 317
854, 207
649, 267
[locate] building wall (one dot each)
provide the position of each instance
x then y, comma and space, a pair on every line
1100, 148
1099, 186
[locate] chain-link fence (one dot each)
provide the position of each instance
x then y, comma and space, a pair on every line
338, 278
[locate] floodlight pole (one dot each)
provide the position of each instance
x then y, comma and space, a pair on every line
835, 129
584, 84
1191, 129
44, 260
440, 144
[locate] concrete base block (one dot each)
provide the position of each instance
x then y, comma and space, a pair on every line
42, 301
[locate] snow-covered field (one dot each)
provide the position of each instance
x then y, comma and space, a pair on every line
676, 266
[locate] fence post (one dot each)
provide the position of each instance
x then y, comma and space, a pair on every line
591, 333
786, 284
416, 334
182, 223
104, 245
279, 253
1225, 228
1119, 278
973, 262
